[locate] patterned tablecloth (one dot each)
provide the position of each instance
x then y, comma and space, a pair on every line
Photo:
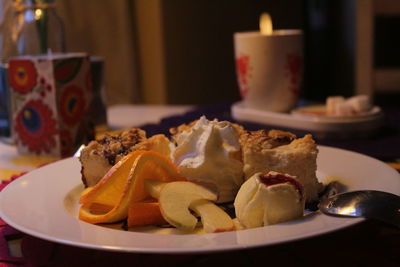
367, 244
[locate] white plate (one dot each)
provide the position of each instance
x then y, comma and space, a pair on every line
43, 203
311, 112
337, 127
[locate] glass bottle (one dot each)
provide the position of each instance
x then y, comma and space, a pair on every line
30, 27
27, 27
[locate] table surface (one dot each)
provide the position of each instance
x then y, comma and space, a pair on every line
369, 243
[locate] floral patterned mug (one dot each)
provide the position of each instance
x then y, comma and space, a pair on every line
50, 100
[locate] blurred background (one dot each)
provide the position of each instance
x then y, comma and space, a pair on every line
181, 52
175, 51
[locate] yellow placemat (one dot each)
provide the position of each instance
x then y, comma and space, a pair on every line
6, 174
32, 160
23, 163
395, 165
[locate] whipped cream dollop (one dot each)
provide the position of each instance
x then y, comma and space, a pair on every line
209, 153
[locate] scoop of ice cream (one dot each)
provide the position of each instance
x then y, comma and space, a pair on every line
270, 198
209, 152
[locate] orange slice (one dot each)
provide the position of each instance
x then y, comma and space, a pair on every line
110, 187
145, 213
124, 184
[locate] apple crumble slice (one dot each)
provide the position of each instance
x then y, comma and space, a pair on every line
274, 150
100, 155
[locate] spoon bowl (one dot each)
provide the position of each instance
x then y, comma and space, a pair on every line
370, 204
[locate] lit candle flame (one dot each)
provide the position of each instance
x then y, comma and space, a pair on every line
266, 24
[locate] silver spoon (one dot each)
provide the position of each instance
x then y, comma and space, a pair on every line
366, 203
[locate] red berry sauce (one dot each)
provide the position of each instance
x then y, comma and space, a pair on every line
279, 178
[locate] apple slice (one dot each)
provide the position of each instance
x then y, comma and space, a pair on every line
213, 218
175, 200
154, 187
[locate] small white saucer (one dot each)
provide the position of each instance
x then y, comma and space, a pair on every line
337, 126
318, 112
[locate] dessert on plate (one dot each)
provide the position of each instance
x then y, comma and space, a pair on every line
209, 152
340, 106
272, 150
269, 198
100, 155
189, 180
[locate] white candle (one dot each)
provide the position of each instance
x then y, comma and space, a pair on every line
266, 24
269, 66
